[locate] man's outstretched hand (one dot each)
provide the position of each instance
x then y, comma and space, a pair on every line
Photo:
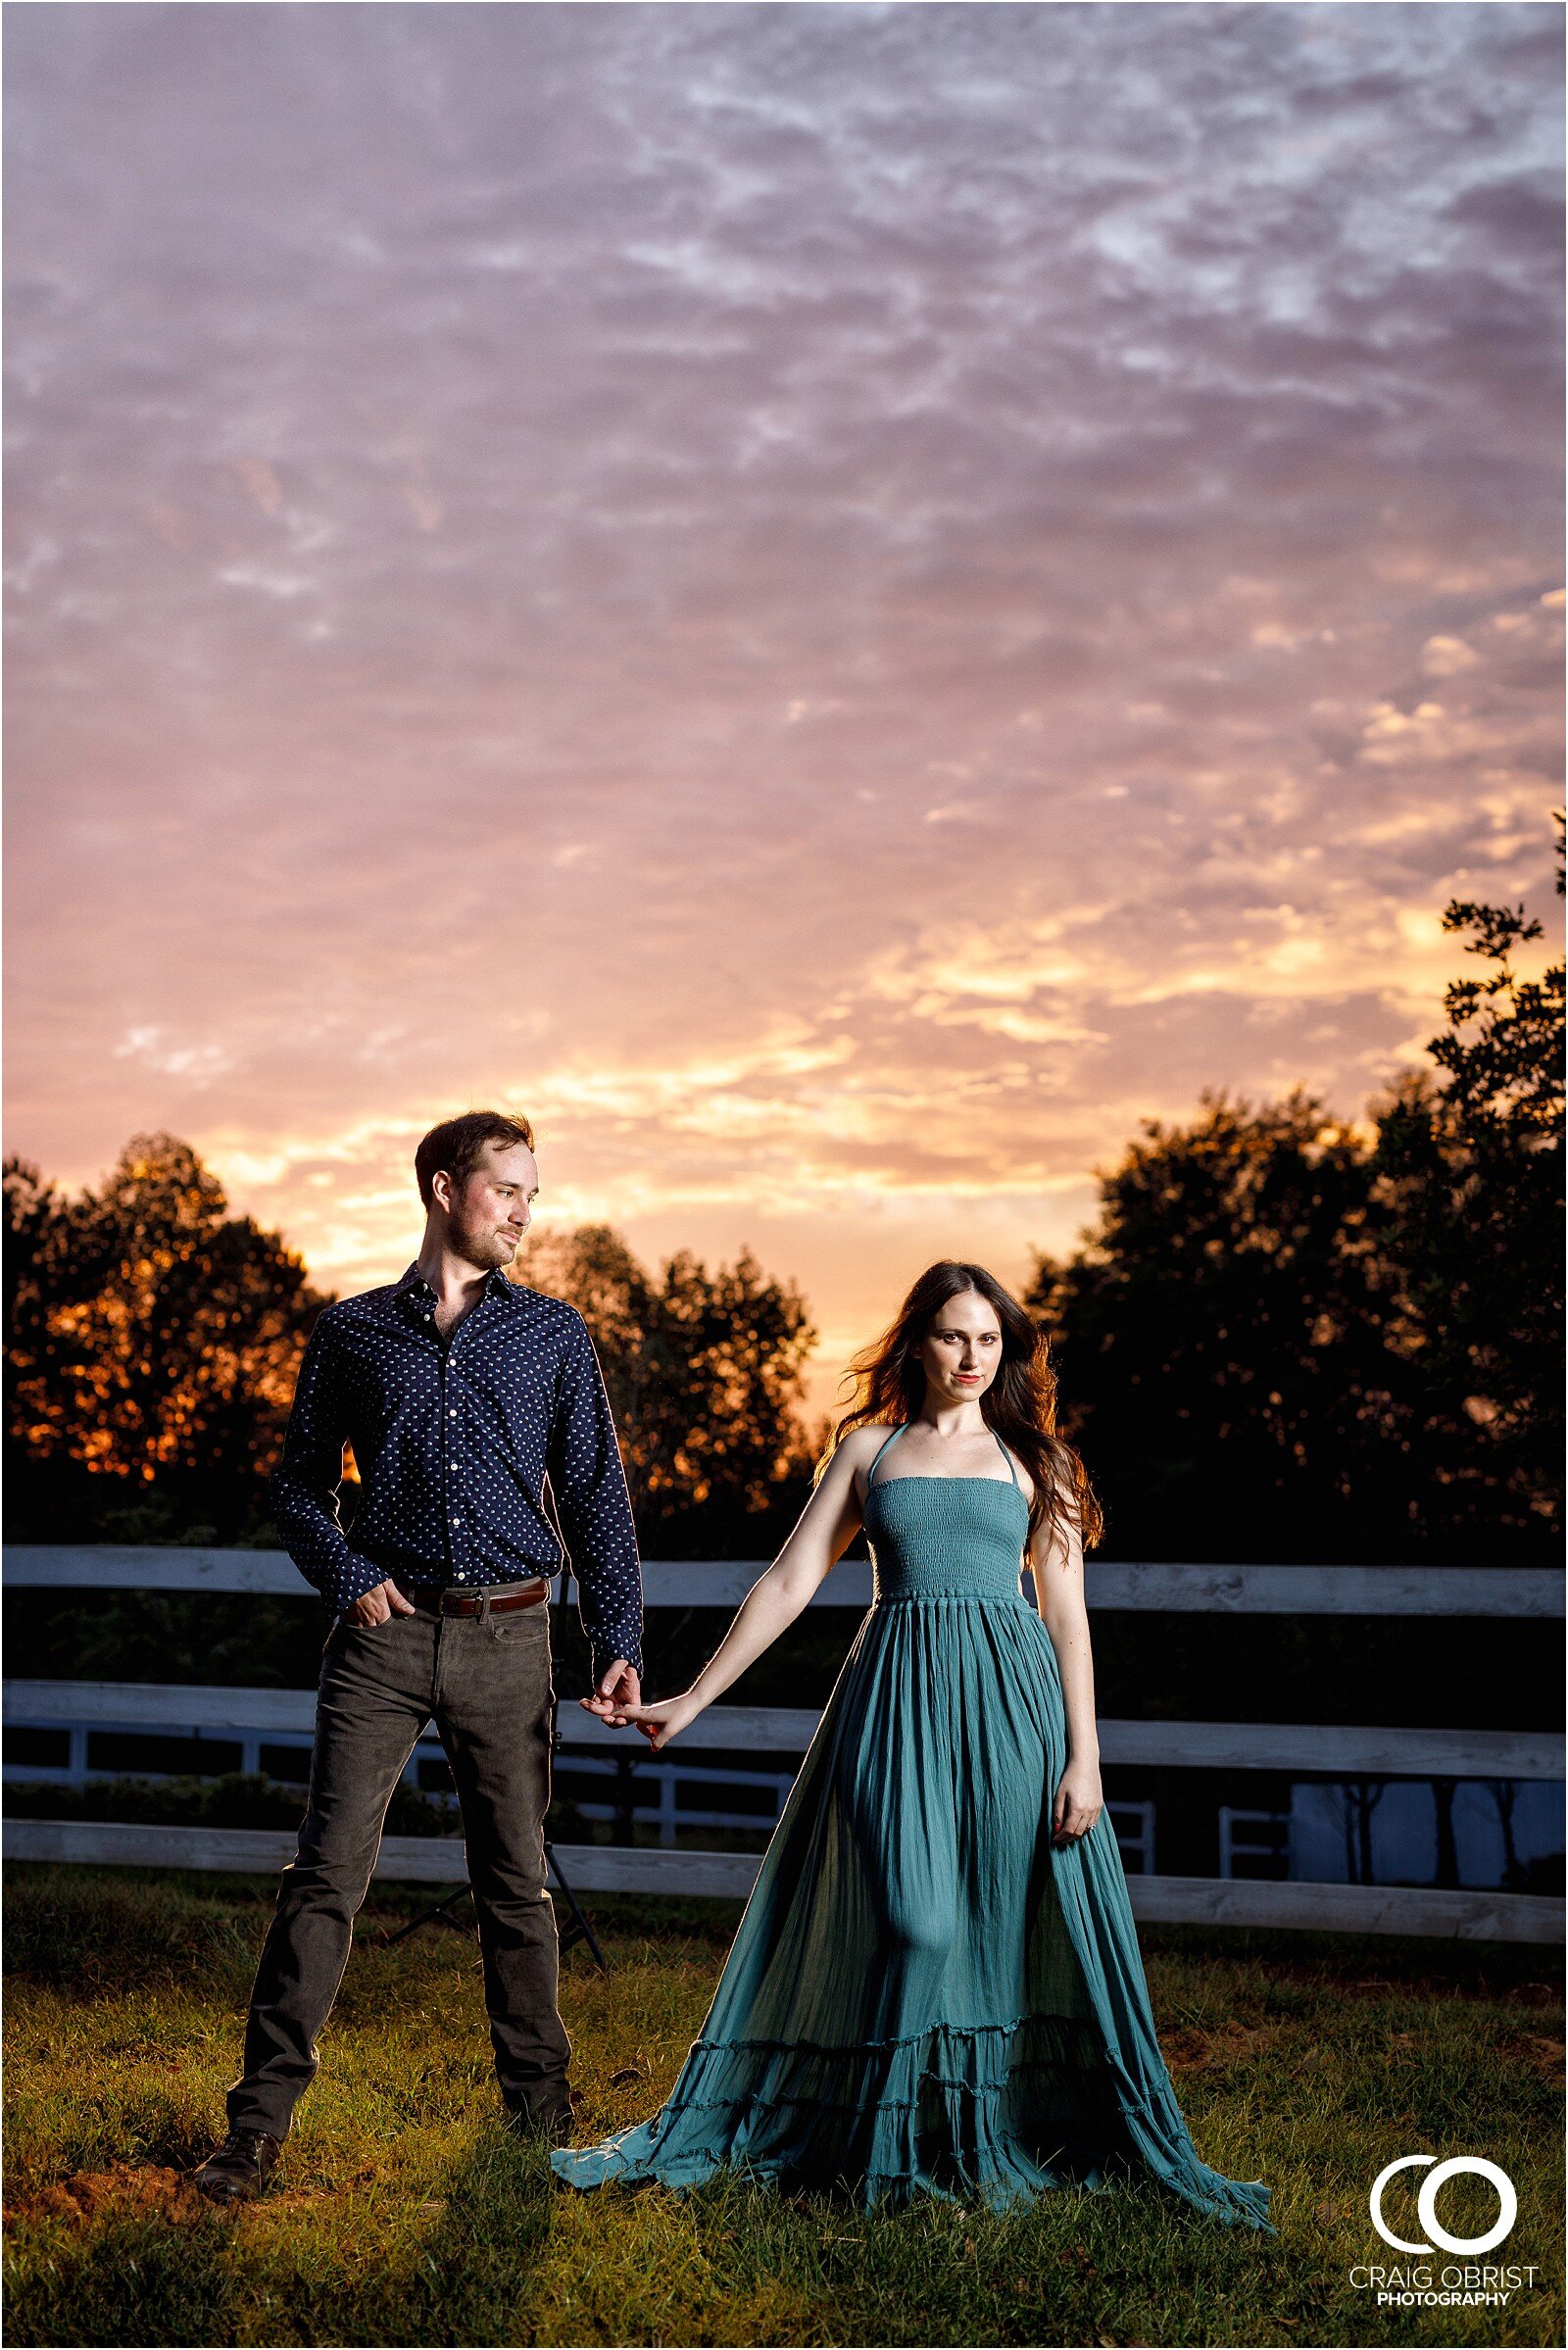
618, 1687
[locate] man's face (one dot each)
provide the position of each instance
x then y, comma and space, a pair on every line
487, 1218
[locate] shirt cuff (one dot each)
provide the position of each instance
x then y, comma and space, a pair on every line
604, 1658
349, 1580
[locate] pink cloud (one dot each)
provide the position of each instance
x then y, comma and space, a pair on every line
839, 602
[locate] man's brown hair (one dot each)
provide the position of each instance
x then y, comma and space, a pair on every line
456, 1142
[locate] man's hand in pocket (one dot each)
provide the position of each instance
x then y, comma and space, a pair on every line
380, 1605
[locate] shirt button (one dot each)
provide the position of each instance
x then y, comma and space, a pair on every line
452, 1464
456, 1521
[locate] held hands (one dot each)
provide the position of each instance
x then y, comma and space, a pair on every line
618, 1687
377, 1606
661, 1723
1079, 1803
617, 1700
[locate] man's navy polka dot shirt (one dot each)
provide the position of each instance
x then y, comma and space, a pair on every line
453, 1439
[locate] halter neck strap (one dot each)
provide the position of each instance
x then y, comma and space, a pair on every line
876, 1458
881, 1449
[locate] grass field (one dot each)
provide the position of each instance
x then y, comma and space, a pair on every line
402, 2214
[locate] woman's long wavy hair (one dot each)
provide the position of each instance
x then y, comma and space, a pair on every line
1021, 1403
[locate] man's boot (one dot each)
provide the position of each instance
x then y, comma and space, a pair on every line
549, 2125
240, 2168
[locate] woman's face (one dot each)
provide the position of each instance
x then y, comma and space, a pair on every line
962, 1351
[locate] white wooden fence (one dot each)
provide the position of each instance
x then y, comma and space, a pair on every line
250, 1719
724, 1583
253, 1717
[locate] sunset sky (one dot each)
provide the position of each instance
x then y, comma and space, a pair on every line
838, 602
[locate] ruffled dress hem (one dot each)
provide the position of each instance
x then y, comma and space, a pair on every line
994, 2113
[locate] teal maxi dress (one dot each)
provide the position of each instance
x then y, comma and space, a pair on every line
925, 1995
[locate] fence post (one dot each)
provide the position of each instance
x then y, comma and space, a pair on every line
624, 1827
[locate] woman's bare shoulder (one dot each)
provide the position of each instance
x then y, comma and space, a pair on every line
1062, 1522
861, 1445
871, 1438
1026, 1484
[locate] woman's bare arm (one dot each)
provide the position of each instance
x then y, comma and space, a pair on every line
822, 1532
1057, 1563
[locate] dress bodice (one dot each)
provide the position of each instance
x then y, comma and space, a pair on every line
937, 1536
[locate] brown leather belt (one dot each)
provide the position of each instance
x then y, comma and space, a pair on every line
492, 1601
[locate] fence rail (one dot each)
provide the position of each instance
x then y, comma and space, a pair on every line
193, 1711
610, 1869
1530, 1591
1352, 1750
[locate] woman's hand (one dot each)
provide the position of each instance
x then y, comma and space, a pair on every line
661, 1723
1080, 1800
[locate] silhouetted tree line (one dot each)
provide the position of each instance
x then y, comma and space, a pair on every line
705, 1372
1291, 1338
1286, 1336
155, 1341
153, 1345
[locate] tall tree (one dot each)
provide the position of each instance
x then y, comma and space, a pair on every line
1222, 1335
154, 1338
1472, 1164
703, 1371
1290, 1338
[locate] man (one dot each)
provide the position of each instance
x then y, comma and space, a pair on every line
461, 1393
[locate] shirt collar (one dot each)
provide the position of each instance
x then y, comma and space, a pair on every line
414, 1294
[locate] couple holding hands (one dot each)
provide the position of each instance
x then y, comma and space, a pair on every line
936, 1987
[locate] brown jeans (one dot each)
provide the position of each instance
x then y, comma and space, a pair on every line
486, 1682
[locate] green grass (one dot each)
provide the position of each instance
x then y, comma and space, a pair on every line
402, 2214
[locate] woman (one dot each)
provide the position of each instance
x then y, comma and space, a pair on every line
936, 1987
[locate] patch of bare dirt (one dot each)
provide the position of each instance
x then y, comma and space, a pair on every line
128, 2190
1190, 2050
1540, 2053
